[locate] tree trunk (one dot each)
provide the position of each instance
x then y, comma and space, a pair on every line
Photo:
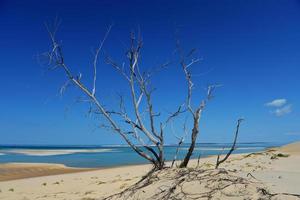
195, 132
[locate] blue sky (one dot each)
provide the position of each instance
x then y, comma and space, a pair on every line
250, 47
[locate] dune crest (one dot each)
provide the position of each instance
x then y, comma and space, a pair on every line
293, 148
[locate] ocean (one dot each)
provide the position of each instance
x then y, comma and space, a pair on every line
111, 155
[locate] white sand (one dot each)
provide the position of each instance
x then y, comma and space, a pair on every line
293, 148
72, 186
280, 175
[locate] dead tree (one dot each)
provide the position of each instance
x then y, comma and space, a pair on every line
146, 139
186, 61
232, 147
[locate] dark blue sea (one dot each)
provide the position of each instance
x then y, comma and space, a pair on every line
108, 156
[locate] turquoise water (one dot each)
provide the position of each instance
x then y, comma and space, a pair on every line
107, 156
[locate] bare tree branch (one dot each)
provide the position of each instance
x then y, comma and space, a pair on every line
98, 50
143, 130
196, 113
175, 114
232, 147
56, 58
180, 142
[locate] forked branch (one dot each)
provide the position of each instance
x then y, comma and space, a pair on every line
56, 59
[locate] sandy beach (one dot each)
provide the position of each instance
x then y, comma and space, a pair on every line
150, 100
278, 170
11, 171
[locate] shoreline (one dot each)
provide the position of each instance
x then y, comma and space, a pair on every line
25, 170
16, 171
277, 169
61, 169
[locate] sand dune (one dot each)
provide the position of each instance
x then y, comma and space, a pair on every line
293, 148
274, 174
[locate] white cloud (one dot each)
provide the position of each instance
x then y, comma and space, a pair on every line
276, 103
283, 110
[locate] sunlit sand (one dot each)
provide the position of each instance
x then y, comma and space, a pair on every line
276, 170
